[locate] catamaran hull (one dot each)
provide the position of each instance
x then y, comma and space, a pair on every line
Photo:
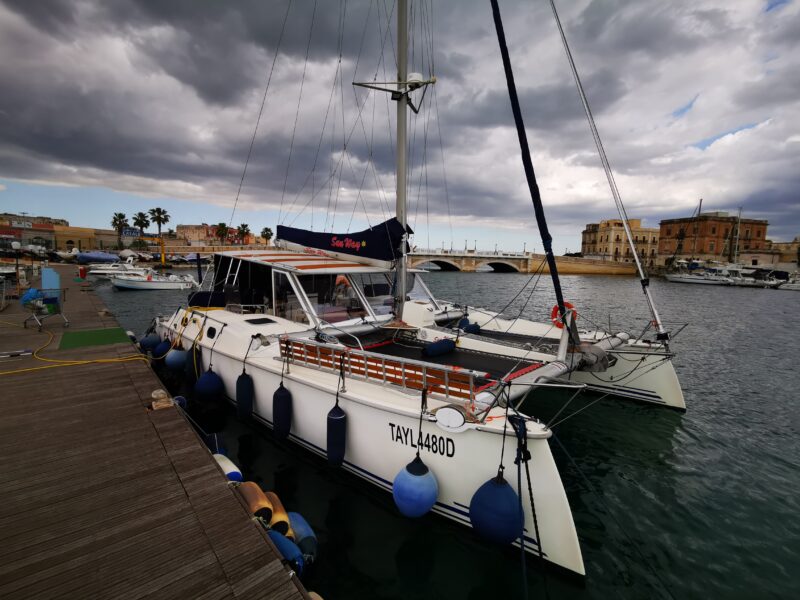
642, 371
639, 375
382, 439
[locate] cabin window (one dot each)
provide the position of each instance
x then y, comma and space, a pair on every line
377, 289
286, 302
254, 286
332, 297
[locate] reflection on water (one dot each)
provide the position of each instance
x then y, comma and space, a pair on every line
696, 505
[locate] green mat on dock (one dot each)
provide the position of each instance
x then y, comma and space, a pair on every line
92, 337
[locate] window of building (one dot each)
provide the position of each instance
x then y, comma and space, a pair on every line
747, 234
617, 238
669, 230
713, 230
654, 239
711, 246
727, 231
754, 262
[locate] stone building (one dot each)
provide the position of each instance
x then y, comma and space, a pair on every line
715, 236
606, 240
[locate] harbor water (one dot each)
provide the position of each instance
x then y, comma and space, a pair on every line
667, 505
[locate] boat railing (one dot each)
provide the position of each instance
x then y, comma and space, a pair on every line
450, 383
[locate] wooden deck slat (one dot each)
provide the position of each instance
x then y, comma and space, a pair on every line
101, 497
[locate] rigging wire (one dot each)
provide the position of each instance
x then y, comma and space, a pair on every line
260, 112
663, 335
444, 170
297, 112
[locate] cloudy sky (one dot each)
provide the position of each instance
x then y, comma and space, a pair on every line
123, 105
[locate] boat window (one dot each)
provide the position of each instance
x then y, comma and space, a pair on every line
211, 333
417, 290
377, 289
332, 297
287, 304
255, 285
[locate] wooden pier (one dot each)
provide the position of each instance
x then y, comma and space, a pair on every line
102, 497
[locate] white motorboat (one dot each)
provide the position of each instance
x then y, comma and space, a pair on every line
742, 277
121, 268
793, 283
153, 281
702, 278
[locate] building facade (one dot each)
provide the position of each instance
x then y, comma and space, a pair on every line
715, 236
606, 240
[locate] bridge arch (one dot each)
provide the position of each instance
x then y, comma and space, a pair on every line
499, 266
443, 263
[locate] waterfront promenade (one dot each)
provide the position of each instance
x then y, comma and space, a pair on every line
102, 497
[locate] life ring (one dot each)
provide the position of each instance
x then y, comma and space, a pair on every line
555, 316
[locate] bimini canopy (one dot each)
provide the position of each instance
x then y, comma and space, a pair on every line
301, 262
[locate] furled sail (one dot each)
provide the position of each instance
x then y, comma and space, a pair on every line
378, 245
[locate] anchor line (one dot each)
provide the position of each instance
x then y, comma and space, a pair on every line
524, 456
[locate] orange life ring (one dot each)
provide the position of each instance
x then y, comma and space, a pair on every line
555, 316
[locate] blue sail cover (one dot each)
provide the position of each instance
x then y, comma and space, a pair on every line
380, 242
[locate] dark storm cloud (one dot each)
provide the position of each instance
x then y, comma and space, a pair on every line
169, 92
53, 16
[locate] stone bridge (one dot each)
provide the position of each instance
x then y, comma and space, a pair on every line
470, 261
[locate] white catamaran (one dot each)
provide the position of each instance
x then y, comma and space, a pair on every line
329, 328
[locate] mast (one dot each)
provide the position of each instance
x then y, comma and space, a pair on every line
536, 197
736, 247
402, 148
697, 227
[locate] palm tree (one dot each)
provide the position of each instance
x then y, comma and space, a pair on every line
222, 232
160, 217
266, 233
243, 231
141, 220
119, 222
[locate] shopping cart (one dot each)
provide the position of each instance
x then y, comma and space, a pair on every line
43, 304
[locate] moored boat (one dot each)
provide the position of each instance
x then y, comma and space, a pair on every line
153, 281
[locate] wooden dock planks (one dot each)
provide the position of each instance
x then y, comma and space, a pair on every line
101, 497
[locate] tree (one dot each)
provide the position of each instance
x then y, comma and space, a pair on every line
160, 217
222, 232
119, 222
242, 231
141, 220
266, 233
